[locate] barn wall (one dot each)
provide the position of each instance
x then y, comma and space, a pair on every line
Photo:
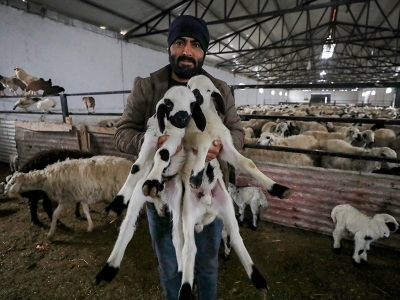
316, 191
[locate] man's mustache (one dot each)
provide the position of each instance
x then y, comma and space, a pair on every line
187, 58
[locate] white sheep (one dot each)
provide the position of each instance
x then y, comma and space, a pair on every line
209, 197
153, 169
88, 180
360, 165
23, 76
365, 229
46, 104
350, 135
248, 195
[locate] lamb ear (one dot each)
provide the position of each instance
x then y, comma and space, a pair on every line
161, 113
391, 226
219, 102
198, 117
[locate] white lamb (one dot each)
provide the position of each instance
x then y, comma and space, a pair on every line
88, 180
199, 207
153, 170
248, 195
365, 229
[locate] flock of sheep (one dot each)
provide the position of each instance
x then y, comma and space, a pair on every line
69, 177
345, 137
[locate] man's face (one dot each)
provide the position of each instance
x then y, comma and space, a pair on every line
186, 57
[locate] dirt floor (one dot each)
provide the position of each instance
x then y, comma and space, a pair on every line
297, 264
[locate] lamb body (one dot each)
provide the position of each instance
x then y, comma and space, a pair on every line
365, 229
248, 195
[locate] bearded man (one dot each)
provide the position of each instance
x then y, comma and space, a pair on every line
188, 40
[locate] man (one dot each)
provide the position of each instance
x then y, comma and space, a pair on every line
188, 40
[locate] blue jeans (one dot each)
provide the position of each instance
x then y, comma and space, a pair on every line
206, 263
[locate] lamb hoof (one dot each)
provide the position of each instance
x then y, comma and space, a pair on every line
241, 223
356, 264
337, 250
254, 228
364, 263
226, 257
152, 188
185, 292
258, 280
117, 206
280, 191
107, 273
38, 223
196, 181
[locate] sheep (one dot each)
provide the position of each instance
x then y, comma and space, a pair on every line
365, 229
12, 84
295, 141
23, 76
53, 90
303, 126
209, 197
38, 162
13, 159
107, 123
153, 169
196, 213
85, 180
89, 103
2, 88
280, 128
46, 104
248, 132
383, 137
353, 164
351, 135
173, 113
205, 90
248, 195
36, 85
26, 102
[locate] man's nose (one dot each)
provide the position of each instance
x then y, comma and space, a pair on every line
188, 50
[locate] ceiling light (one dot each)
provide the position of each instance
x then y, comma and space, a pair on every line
322, 73
261, 91
373, 93
272, 92
103, 27
388, 90
123, 32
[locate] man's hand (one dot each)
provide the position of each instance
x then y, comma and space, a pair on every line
162, 139
214, 150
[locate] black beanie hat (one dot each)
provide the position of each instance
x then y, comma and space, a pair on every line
189, 26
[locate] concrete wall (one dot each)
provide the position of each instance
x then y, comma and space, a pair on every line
78, 59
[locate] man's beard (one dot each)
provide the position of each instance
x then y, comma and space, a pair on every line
185, 72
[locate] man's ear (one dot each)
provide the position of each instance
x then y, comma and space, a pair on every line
218, 102
161, 113
198, 117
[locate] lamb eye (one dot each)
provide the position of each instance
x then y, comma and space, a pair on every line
168, 103
208, 91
